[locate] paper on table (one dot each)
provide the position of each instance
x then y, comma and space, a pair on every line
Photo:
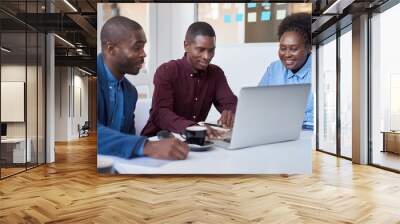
141, 161
148, 161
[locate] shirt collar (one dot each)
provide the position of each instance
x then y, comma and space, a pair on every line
189, 69
110, 77
303, 71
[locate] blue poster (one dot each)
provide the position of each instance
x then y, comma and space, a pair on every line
227, 19
265, 15
239, 17
251, 5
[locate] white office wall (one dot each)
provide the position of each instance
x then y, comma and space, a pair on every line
71, 86
61, 103
80, 103
244, 65
182, 15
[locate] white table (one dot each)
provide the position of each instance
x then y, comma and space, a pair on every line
18, 149
292, 157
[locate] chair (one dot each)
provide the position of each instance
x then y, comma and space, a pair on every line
142, 114
84, 130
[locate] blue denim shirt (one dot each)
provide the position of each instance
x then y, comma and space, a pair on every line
278, 74
117, 103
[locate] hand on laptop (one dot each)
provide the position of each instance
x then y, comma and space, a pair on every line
170, 148
213, 133
227, 118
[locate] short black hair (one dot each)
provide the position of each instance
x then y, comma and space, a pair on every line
298, 22
199, 28
117, 28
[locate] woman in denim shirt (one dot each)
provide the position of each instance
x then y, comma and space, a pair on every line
294, 66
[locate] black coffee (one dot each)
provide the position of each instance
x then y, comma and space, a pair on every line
196, 135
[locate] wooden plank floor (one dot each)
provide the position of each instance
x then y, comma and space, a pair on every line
70, 191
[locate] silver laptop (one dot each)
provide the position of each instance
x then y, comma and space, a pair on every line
267, 114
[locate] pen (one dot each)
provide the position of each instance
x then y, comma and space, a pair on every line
214, 125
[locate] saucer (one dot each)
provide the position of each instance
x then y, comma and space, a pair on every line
200, 148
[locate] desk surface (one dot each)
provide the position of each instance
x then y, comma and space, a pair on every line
391, 132
13, 140
292, 157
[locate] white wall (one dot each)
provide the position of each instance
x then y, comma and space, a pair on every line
244, 65
67, 81
80, 82
61, 103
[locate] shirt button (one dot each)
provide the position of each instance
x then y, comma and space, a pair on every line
195, 99
194, 116
191, 75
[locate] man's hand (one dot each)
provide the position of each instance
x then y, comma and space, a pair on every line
171, 149
213, 133
227, 119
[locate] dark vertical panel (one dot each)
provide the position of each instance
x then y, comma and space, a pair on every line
338, 72
317, 96
37, 91
369, 94
44, 72
25, 89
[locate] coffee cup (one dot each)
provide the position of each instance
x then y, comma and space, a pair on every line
195, 135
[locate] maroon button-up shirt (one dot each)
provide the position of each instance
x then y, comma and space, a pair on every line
182, 98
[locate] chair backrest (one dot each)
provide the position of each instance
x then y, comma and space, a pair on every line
142, 113
86, 125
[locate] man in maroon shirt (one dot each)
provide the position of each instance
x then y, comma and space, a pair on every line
186, 88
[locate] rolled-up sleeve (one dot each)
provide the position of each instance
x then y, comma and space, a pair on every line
116, 143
